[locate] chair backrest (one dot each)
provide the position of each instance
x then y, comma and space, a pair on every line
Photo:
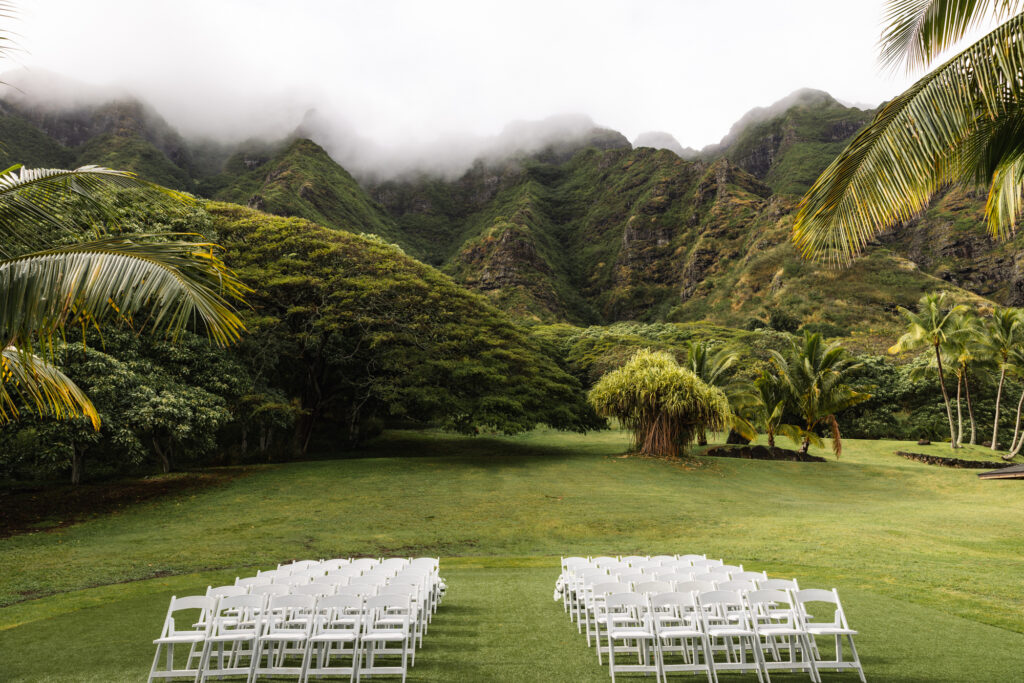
270, 589
676, 577
778, 584
702, 565
694, 586
725, 605
389, 612
238, 613
332, 565
817, 595
395, 562
299, 565
191, 610
253, 581
289, 614
729, 568
771, 606
674, 599
222, 591
347, 572
604, 561
692, 558
293, 580
738, 586
568, 562
749, 576
632, 578
653, 587
710, 577
364, 563
315, 589
662, 559
632, 559
360, 590
338, 614
623, 607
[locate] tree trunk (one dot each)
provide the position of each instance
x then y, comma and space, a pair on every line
702, 438
771, 439
164, 455
77, 456
959, 411
1016, 426
970, 408
999, 395
245, 439
805, 446
945, 397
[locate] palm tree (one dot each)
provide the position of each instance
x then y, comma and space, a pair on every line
961, 122
997, 340
934, 325
815, 378
712, 364
1016, 368
959, 353
770, 405
155, 285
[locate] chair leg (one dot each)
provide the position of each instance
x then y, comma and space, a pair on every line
856, 659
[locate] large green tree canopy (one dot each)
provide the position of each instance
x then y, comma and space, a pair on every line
356, 330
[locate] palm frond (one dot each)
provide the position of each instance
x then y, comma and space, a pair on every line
916, 32
30, 197
30, 380
892, 168
172, 283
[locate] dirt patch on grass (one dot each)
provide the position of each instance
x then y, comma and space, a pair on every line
45, 508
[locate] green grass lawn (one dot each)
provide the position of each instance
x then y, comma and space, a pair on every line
927, 560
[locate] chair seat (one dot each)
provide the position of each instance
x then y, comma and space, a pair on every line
181, 638
233, 637
725, 632
829, 630
634, 632
332, 637
284, 637
780, 631
679, 633
384, 636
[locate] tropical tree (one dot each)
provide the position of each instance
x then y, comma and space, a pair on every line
711, 364
1016, 368
961, 122
664, 404
959, 353
815, 377
49, 280
998, 338
769, 408
933, 325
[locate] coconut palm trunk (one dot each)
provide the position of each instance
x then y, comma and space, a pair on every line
1014, 445
959, 411
995, 422
945, 397
970, 409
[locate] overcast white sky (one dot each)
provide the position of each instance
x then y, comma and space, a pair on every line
417, 70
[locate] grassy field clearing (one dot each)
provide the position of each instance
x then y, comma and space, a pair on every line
928, 560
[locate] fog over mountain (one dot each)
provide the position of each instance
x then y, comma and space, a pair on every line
411, 77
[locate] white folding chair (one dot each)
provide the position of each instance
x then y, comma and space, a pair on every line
749, 576
247, 581
287, 621
838, 628
196, 611
627, 622
387, 633
727, 619
224, 591
774, 617
653, 587
270, 589
337, 623
679, 629
234, 629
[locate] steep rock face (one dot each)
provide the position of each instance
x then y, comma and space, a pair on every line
301, 180
662, 140
789, 143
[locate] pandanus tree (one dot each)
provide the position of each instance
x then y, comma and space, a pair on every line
663, 404
961, 122
932, 326
816, 377
51, 279
997, 339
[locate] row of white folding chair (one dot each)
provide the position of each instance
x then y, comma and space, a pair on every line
250, 628
755, 622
